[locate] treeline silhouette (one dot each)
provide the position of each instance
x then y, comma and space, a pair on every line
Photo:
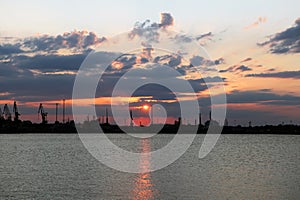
10, 126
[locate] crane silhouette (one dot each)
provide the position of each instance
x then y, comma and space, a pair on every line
15, 110
43, 114
6, 112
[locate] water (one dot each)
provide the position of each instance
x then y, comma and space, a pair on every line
239, 167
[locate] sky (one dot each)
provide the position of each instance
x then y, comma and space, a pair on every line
255, 47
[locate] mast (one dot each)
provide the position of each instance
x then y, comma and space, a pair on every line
64, 107
106, 114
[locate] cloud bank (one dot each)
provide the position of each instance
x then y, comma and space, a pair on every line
284, 74
287, 41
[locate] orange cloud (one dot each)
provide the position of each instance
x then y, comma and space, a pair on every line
117, 65
258, 22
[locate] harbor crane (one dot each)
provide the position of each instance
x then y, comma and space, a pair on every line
6, 112
16, 112
43, 114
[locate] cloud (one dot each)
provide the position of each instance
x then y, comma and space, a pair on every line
49, 62
38, 88
209, 79
74, 39
236, 68
50, 76
184, 38
264, 96
181, 38
199, 37
170, 60
125, 62
219, 61
175, 61
284, 74
243, 68
156, 91
128, 61
109, 81
149, 31
144, 30
259, 21
287, 41
197, 60
7, 49
166, 20
246, 60
43, 77
200, 61
271, 70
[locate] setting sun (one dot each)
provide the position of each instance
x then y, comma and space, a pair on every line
145, 107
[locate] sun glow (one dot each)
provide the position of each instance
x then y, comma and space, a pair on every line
146, 107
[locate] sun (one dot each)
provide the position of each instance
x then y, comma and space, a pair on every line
145, 107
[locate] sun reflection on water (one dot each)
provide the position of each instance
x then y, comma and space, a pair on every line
143, 186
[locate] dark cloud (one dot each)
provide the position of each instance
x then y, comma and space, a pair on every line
48, 76
110, 79
7, 49
149, 31
219, 61
38, 88
35, 79
243, 68
50, 63
44, 77
224, 70
8, 71
284, 74
287, 41
199, 61
201, 84
181, 38
54, 62
199, 37
146, 30
166, 20
271, 70
183, 69
264, 96
69, 40
127, 61
175, 61
214, 79
236, 68
158, 92
162, 58
170, 60
75, 41
184, 38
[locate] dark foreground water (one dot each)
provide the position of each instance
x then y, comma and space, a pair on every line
239, 167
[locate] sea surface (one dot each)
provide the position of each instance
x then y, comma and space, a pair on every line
44, 166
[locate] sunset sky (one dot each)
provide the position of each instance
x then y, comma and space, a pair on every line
253, 45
